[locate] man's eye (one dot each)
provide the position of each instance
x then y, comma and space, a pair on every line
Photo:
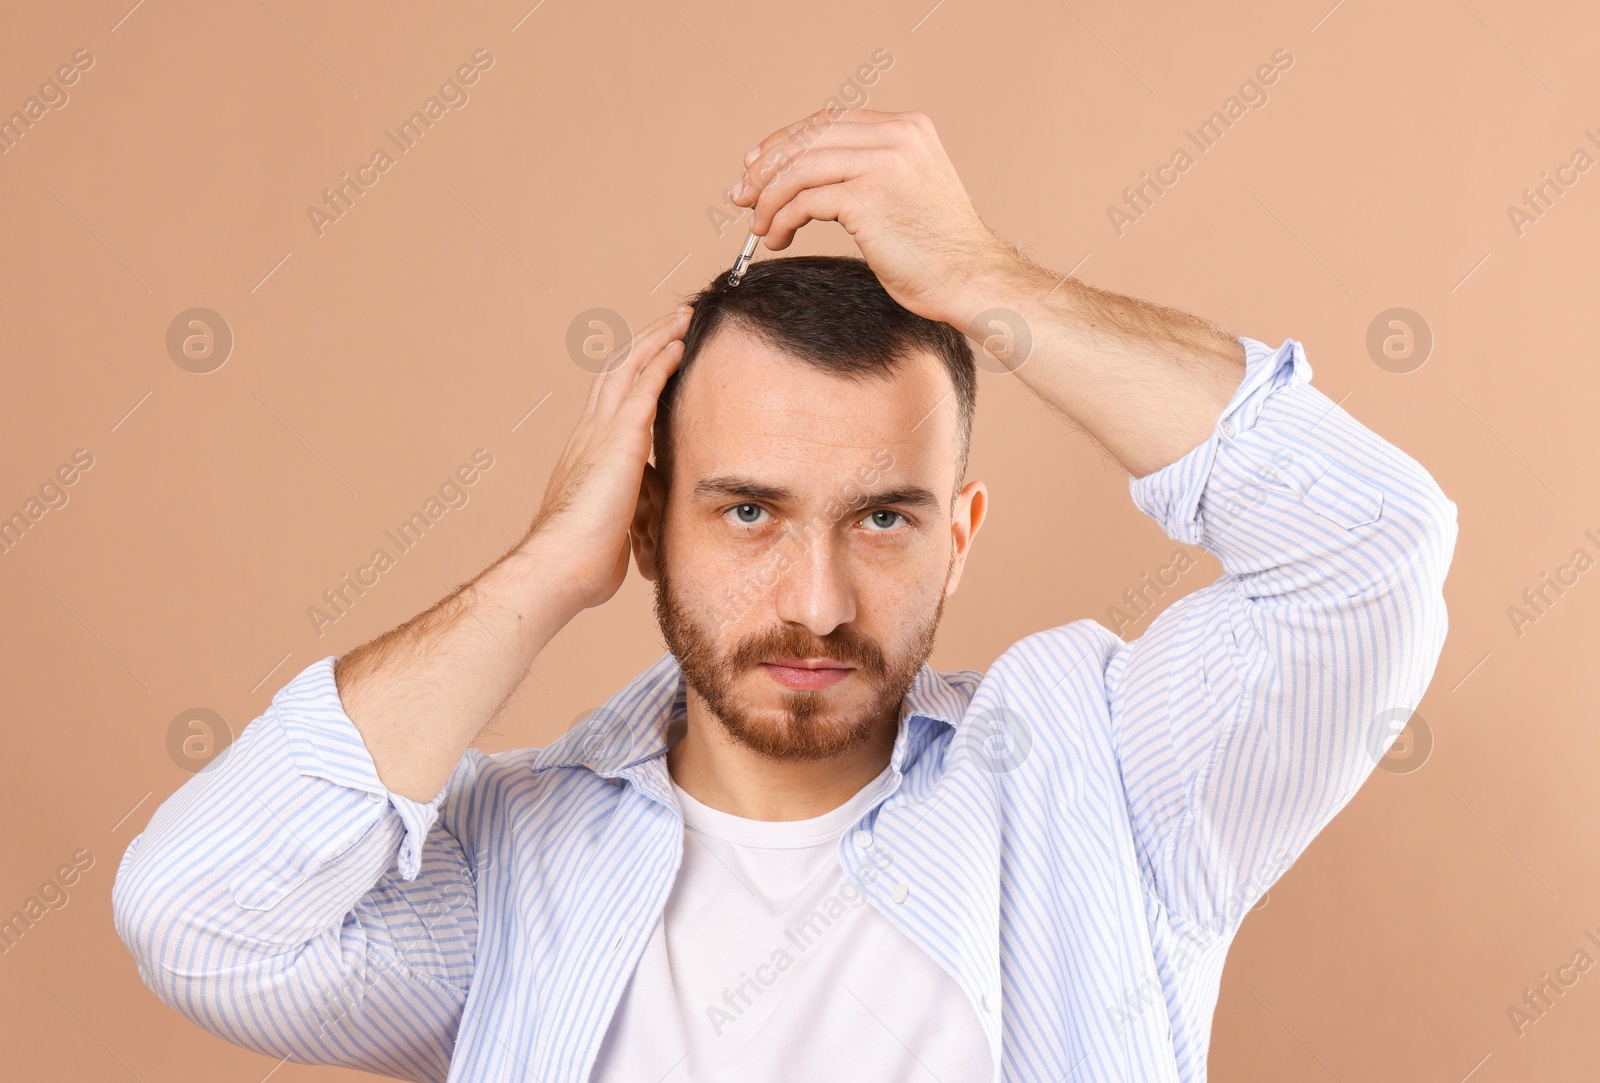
884, 520
748, 514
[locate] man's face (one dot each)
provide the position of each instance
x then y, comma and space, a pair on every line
809, 542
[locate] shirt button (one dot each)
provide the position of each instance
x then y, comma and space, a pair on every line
900, 892
863, 839
374, 797
988, 1003
1227, 427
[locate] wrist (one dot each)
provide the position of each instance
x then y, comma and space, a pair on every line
1005, 281
1000, 309
536, 582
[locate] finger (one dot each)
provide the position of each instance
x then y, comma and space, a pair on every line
638, 408
613, 381
783, 157
858, 128
829, 203
644, 352
822, 119
651, 338
816, 169
652, 379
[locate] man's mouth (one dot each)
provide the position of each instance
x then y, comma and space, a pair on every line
807, 673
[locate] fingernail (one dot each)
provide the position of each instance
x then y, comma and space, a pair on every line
751, 154
737, 191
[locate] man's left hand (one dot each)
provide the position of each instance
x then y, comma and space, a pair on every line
885, 178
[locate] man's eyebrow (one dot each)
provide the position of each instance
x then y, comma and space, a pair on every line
911, 496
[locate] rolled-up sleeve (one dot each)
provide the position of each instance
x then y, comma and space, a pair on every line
1252, 710
284, 899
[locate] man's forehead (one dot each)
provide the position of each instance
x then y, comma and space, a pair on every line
745, 404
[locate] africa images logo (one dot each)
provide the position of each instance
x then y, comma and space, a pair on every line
338, 201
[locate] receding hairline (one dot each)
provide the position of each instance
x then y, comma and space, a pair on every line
831, 313
893, 365
737, 323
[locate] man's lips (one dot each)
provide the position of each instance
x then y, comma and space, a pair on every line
807, 673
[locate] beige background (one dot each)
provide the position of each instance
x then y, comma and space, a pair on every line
371, 361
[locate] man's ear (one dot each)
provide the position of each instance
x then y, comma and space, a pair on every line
971, 507
647, 522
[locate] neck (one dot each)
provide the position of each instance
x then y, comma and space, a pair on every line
717, 771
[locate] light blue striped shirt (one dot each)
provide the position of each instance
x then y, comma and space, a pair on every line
1074, 836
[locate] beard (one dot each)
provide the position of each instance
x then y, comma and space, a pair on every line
805, 728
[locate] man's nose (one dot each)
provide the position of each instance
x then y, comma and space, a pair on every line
815, 589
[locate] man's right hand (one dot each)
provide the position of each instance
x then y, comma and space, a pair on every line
421, 693
594, 488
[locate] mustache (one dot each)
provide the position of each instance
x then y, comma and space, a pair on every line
843, 644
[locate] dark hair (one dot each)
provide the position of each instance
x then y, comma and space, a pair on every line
831, 312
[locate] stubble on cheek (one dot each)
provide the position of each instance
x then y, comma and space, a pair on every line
804, 728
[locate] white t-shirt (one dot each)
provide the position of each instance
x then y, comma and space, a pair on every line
768, 964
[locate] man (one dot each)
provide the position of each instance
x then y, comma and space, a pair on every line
790, 849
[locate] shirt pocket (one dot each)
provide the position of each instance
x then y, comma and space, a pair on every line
1343, 498
266, 876
1328, 487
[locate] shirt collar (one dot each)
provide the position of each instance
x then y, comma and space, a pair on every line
649, 714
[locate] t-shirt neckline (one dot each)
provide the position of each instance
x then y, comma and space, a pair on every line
777, 834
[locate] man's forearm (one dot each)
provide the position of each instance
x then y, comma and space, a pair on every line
421, 693
1147, 382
